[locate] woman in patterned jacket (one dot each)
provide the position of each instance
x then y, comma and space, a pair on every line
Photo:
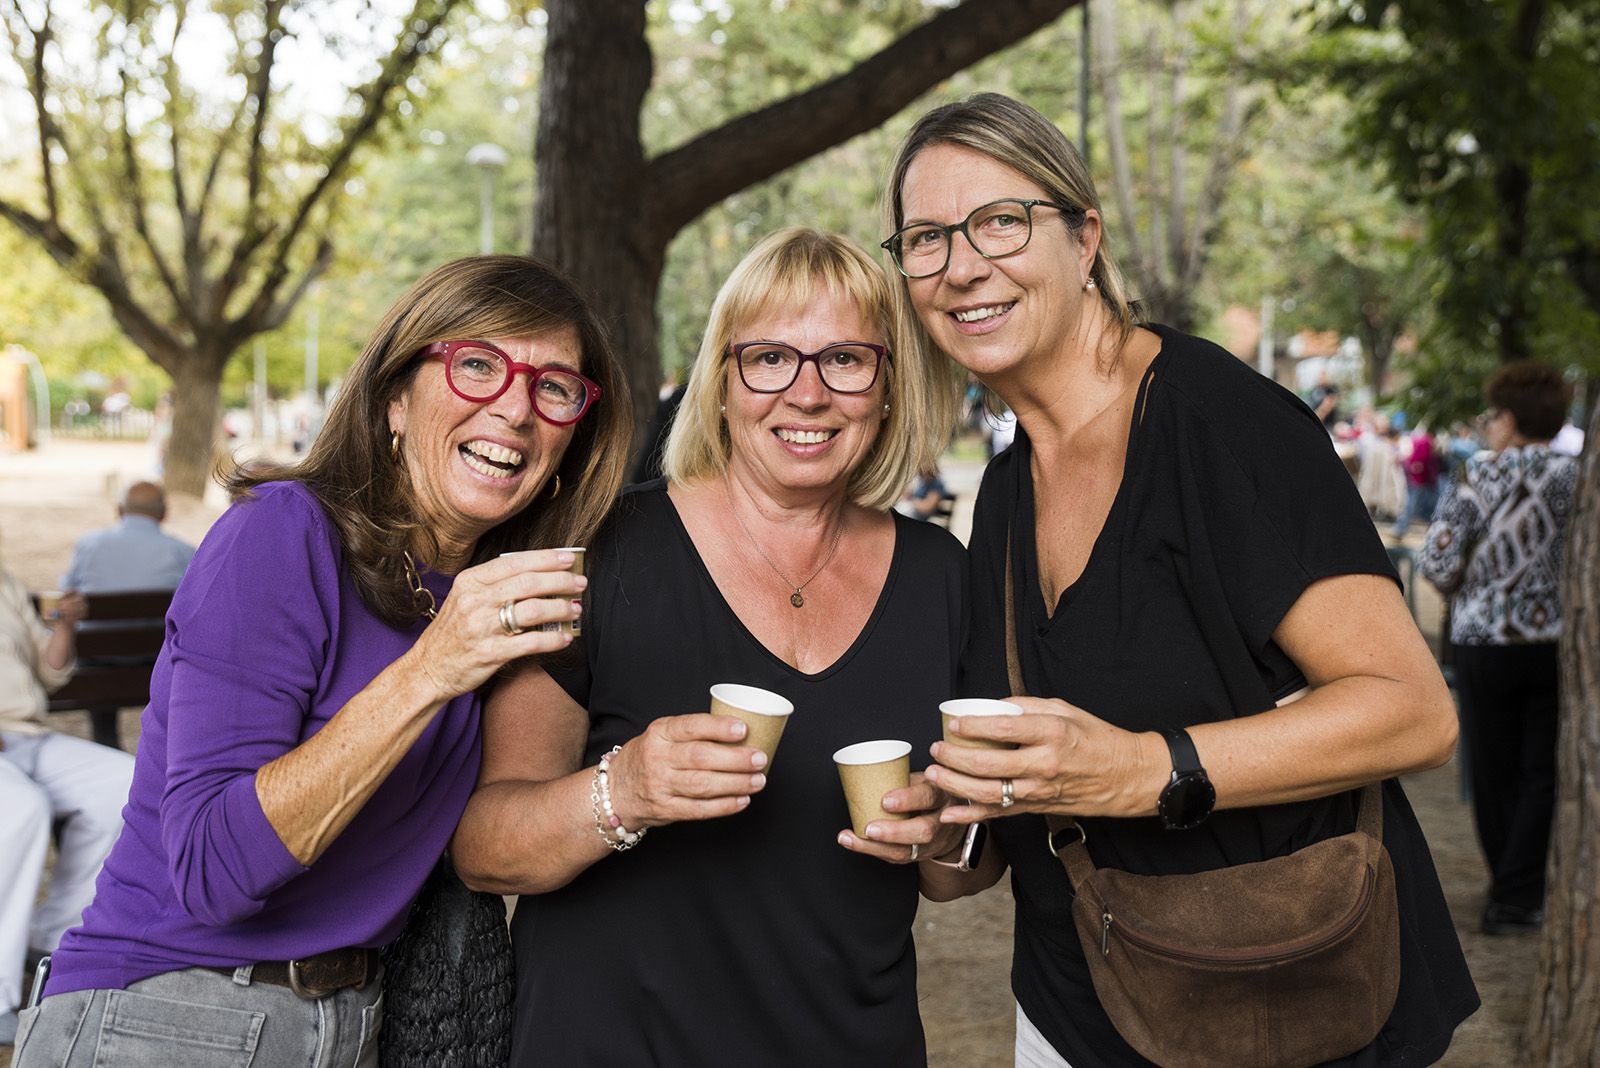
1495, 547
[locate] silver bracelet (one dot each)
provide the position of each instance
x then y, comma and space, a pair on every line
607, 822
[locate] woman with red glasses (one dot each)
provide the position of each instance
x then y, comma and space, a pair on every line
312, 734
719, 917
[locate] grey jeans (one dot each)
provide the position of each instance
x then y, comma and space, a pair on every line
198, 1018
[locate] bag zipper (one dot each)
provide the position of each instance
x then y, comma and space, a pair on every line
1156, 945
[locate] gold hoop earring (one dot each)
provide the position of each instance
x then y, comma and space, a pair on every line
394, 445
556, 492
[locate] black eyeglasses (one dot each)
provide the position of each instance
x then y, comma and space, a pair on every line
994, 230
772, 366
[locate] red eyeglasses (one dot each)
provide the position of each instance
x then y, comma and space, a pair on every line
479, 372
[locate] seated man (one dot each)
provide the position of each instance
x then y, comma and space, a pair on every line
133, 555
45, 776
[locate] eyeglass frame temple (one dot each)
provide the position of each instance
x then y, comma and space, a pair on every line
882, 351
891, 244
443, 350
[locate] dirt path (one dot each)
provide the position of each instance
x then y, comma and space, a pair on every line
964, 948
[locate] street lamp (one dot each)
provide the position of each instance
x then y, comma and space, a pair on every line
488, 158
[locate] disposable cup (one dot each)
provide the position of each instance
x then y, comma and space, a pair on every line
50, 605
763, 712
573, 626
867, 771
976, 706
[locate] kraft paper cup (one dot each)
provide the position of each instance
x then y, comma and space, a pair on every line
976, 706
764, 712
573, 626
867, 771
50, 605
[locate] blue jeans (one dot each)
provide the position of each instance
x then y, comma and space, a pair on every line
1420, 503
199, 1018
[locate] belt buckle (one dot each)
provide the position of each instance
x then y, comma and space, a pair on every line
309, 992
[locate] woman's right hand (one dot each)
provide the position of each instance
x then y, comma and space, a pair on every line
685, 768
467, 642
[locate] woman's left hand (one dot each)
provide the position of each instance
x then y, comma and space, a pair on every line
72, 608
1067, 762
893, 840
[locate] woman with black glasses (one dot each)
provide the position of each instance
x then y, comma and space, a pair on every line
312, 735
1174, 551
680, 906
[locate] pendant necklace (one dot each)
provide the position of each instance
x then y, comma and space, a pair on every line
797, 599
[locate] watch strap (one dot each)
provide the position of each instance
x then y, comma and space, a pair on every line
1185, 760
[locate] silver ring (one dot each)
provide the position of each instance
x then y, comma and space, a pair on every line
913, 852
508, 619
1006, 797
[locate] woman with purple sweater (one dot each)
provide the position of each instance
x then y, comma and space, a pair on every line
312, 735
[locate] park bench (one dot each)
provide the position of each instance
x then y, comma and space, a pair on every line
118, 642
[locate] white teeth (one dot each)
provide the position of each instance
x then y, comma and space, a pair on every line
485, 469
490, 451
805, 437
974, 315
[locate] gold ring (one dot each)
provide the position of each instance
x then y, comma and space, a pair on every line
508, 619
1006, 797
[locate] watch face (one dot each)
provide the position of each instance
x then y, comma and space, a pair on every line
1187, 801
972, 847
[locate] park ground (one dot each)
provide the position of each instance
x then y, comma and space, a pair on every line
48, 497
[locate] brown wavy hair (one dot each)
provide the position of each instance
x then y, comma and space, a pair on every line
1534, 393
369, 496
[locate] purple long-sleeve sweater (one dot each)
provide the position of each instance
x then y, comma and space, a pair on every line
266, 641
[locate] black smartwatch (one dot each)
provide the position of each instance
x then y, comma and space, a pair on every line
1189, 796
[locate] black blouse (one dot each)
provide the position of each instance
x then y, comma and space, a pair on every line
755, 939
1232, 503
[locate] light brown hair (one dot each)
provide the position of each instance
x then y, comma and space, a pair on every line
369, 496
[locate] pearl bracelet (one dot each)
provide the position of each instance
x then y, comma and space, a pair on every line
606, 822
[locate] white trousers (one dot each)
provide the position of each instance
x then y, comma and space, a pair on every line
1033, 1049
44, 778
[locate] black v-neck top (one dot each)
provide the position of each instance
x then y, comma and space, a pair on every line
1232, 503
755, 939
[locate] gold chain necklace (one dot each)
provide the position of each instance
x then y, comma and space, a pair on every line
795, 598
421, 596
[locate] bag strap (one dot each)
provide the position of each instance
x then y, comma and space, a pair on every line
1074, 856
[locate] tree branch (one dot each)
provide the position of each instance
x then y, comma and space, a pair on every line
412, 44
135, 194
1225, 155
1107, 64
689, 179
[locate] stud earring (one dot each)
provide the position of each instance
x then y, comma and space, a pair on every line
723, 408
1088, 284
885, 409
394, 445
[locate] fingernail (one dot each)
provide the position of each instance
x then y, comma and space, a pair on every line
744, 802
566, 637
565, 558
931, 772
757, 781
740, 729
577, 607
583, 582
873, 832
946, 817
890, 804
846, 839
955, 726
759, 760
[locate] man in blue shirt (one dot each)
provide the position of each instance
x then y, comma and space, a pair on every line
133, 555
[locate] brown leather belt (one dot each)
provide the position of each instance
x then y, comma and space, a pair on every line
318, 976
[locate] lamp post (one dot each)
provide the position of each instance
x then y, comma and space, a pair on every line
488, 158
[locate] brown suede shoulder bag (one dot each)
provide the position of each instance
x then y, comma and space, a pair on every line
1281, 963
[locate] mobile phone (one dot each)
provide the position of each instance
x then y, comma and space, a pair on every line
972, 846
41, 972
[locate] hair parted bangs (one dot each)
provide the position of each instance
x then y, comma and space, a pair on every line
369, 496
784, 272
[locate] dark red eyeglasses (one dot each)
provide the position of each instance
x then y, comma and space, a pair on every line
479, 372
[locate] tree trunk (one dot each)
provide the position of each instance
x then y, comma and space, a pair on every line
197, 380
593, 214
1564, 1019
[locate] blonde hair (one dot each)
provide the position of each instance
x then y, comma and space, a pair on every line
1010, 132
785, 270
366, 491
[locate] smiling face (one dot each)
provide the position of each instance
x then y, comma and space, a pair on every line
807, 438
473, 466
991, 316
